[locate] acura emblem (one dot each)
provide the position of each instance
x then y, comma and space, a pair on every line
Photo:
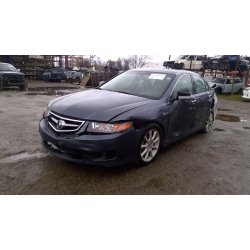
60, 124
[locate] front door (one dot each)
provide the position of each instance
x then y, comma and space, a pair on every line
182, 113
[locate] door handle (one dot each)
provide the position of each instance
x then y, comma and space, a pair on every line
193, 101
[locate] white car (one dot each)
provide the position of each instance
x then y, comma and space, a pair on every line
246, 93
184, 62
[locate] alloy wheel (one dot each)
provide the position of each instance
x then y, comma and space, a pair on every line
209, 122
150, 145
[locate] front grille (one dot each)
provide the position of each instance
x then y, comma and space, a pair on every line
62, 124
15, 78
55, 76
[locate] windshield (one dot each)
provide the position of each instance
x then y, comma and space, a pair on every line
140, 83
219, 80
182, 57
7, 67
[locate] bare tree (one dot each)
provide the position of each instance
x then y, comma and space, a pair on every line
111, 63
138, 61
122, 63
99, 65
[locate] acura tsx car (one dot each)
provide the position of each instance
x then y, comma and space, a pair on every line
129, 117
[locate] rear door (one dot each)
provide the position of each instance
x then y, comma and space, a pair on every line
204, 99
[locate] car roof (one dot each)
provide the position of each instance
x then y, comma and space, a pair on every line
164, 71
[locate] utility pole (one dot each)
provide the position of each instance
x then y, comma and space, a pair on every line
236, 67
203, 68
91, 59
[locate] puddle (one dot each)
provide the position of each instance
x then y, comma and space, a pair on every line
21, 156
227, 118
54, 88
51, 91
57, 93
219, 129
219, 109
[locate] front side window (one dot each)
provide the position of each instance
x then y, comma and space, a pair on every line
199, 84
151, 85
184, 84
219, 80
182, 57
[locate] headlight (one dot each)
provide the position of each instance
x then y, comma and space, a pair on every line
46, 112
98, 127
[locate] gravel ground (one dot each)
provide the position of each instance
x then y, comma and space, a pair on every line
214, 163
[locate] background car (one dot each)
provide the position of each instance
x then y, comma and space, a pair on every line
55, 74
10, 76
246, 93
184, 62
128, 118
224, 85
226, 62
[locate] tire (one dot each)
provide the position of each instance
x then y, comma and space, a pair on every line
1, 86
67, 81
150, 143
78, 80
23, 87
209, 122
219, 91
240, 92
181, 65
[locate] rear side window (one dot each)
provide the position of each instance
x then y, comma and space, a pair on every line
199, 84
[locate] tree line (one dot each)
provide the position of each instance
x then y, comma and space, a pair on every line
132, 61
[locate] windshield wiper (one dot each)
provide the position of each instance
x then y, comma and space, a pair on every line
123, 92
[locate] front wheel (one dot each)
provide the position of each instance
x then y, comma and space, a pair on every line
23, 87
209, 123
1, 86
182, 66
240, 92
149, 146
78, 80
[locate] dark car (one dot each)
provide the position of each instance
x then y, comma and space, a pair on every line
128, 118
55, 74
10, 76
226, 62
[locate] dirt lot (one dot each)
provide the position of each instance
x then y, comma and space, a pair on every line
214, 163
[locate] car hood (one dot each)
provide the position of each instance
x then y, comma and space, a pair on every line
12, 73
97, 105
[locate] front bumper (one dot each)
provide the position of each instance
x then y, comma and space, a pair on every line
7, 83
246, 94
108, 150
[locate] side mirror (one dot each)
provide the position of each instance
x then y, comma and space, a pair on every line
101, 83
214, 86
183, 95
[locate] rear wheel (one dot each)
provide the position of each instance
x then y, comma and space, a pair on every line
209, 123
150, 143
